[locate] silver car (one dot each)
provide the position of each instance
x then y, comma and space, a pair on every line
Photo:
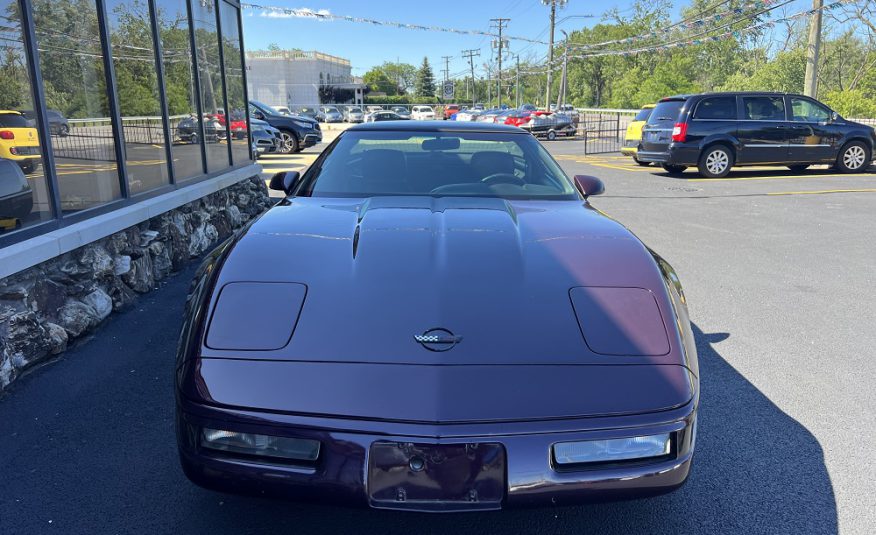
331, 114
354, 115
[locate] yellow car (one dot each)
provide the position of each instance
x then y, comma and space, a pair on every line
634, 133
19, 141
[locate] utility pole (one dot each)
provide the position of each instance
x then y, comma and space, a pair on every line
553, 4
446, 66
517, 85
489, 86
810, 84
500, 24
561, 97
471, 55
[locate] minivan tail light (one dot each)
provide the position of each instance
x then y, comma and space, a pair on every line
679, 132
6, 134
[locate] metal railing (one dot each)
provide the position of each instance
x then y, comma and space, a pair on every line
92, 139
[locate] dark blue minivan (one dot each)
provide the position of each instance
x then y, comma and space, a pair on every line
717, 131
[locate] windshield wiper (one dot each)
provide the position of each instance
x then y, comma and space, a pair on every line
664, 118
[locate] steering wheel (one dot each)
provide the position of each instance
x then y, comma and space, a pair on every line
503, 178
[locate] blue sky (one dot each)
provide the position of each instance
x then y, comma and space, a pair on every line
367, 45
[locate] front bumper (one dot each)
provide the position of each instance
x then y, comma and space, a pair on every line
340, 474
311, 139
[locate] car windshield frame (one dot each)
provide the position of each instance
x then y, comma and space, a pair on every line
529, 148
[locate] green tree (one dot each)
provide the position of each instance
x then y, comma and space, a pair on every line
378, 80
425, 80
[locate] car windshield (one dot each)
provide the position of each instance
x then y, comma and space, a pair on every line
459, 164
665, 114
355, 110
330, 110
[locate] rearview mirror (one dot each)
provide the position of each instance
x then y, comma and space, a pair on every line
589, 185
441, 143
285, 181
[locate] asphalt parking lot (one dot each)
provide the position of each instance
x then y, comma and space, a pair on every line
779, 273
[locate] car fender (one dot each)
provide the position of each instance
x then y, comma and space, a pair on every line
724, 138
859, 134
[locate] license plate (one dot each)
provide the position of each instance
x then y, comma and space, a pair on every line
436, 477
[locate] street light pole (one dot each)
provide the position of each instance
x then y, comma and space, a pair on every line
561, 97
517, 85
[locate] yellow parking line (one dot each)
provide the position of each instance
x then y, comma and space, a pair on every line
782, 177
818, 192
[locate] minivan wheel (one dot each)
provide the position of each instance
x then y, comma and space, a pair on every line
716, 161
673, 169
799, 168
853, 157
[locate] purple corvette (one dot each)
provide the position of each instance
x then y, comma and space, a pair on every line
436, 319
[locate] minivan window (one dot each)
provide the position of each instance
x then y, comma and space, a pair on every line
643, 114
665, 114
808, 111
764, 108
716, 108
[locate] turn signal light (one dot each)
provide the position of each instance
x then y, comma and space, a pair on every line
679, 132
296, 449
6, 134
612, 450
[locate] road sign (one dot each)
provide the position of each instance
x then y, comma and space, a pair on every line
449, 89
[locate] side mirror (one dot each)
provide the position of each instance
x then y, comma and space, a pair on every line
589, 185
834, 117
285, 181
258, 115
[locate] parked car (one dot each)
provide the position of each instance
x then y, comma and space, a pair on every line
401, 111
383, 116
58, 124
188, 130
373, 108
467, 115
424, 113
504, 343
633, 136
717, 131
266, 138
19, 141
570, 111
331, 114
449, 110
16, 196
308, 112
298, 132
353, 115
282, 110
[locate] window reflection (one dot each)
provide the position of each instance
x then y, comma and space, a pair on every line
210, 77
240, 150
74, 83
179, 82
137, 89
24, 198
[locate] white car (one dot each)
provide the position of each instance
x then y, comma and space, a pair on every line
467, 115
423, 113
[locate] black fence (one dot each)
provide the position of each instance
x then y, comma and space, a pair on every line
93, 139
603, 131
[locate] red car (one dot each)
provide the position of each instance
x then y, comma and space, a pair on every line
449, 110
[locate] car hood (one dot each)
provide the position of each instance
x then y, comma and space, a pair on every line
497, 273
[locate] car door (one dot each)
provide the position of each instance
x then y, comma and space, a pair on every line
764, 130
813, 137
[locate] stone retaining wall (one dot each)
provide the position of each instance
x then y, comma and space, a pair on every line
44, 308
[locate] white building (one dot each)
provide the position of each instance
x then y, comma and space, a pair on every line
293, 77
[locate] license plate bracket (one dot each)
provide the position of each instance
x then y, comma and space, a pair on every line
436, 477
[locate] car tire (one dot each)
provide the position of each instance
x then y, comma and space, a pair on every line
551, 135
798, 168
290, 142
194, 139
64, 131
673, 169
640, 162
716, 161
853, 157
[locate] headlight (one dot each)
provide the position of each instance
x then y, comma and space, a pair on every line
298, 449
612, 450
308, 126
